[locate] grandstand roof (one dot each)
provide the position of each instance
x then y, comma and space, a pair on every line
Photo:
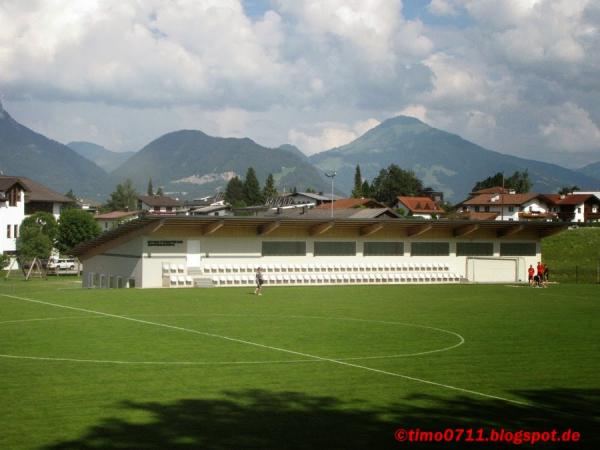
313, 226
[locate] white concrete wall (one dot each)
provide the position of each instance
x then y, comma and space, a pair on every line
11, 215
143, 258
123, 261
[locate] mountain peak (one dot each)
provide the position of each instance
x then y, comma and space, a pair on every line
402, 120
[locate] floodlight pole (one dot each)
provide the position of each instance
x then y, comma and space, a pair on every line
331, 174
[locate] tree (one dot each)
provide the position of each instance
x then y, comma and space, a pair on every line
358, 184
43, 222
366, 189
159, 191
567, 190
73, 198
493, 181
252, 192
150, 189
269, 191
33, 243
518, 181
234, 193
123, 198
74, 227
4, 260
394, 181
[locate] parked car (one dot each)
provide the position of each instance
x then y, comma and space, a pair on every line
62, 264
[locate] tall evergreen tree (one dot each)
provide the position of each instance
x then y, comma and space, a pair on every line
366, 189
252, 193
234, 193
358, 184
150, 190
269, 190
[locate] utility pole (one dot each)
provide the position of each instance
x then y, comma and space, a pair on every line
331, 174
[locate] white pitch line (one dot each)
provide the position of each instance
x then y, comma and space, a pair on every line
268, 347
221, 363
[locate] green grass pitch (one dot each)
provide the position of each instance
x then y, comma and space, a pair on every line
298, 367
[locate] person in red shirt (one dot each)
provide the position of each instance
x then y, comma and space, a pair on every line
531, 273
540, 273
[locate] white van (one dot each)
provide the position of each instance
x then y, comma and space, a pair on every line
62, 264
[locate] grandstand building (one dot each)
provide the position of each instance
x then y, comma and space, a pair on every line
156, 251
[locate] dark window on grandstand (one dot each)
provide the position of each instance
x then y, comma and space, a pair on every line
383, 249
331, 248
474, 249
284, 248
517, 249
430, 249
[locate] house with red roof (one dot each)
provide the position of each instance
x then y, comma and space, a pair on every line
347, 203
575, 207
423, 207
158, 204
506, 206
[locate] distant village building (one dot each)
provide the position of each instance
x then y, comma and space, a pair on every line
158, 204
576, 207
424, 207
21, 197
12, 212
111, 220
498, 203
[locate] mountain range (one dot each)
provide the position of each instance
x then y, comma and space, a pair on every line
441, 160
27, 153
591, 170
190, 163
102, 157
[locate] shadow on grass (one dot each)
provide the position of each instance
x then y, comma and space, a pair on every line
290, 420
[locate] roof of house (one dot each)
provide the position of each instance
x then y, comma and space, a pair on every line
37, 192
492, 190
339, 213
7, 182
158, 200
422, 205
321, 197
570, 199
473, 215
345, 203
116, 215
502, 199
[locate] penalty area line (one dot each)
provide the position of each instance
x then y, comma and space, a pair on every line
279, 349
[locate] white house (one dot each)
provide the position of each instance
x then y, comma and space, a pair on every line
508, 206
158, 204
183, 251
12, 211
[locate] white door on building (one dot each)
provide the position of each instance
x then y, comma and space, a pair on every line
193, 253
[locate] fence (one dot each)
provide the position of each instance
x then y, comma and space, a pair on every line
576, 274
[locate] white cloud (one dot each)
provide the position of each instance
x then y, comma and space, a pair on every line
417, 111
571, 129
329, 135
522, 75
442, 7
